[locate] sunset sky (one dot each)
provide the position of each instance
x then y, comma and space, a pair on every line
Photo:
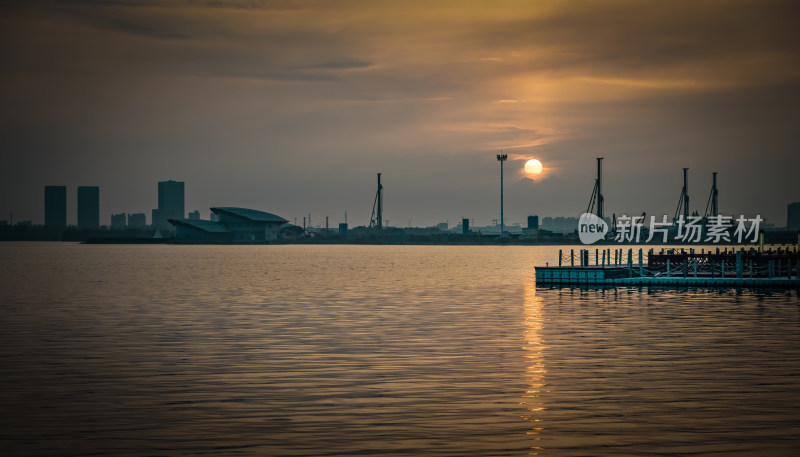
292, 107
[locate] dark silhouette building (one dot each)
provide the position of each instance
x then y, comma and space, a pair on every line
55, 207
170, 203
88, 207
236, 225
137, 221
793, 216
119, 221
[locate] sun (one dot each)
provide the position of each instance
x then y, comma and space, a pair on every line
533, 168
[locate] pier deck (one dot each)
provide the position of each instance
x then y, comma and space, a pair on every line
678, 268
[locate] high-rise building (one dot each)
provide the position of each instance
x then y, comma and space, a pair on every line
793, 216
55, 207
170, 203
88, 207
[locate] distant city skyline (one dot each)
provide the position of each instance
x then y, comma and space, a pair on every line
292, 108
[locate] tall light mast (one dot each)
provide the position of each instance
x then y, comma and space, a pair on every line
501, 158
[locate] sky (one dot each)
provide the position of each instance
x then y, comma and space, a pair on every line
292, 107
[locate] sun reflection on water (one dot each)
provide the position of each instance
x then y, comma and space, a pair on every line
536, 371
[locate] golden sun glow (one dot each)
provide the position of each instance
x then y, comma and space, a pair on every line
533, 168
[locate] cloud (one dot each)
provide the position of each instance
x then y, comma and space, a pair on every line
278, 75
280, 5
342, 65
137, 28
277, 92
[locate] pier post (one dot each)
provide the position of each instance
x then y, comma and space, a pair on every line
668, 268
604, 258
739, 264
694, 261
596, 258
630, 263
641, 268
559, 258
572, 257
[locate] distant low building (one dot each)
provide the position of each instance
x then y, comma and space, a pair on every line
137, 221
201, 231
194, 215
559, 224
293, 232
233, 225
119, 221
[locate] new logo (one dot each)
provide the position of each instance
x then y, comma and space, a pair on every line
591, 228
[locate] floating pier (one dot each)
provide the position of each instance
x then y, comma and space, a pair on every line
675, 268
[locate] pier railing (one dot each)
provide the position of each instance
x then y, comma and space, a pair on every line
678, 263
728, 263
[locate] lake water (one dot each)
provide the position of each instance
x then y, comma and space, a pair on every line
292, 350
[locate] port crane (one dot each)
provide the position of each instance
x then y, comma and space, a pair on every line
376, 219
